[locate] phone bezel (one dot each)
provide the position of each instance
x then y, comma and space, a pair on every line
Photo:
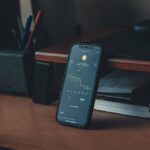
90, 109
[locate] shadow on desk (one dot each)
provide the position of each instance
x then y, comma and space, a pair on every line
4, 148
102, 120
108, 121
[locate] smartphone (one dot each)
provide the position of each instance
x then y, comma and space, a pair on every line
79, 86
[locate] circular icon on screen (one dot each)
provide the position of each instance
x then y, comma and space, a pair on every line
84, 57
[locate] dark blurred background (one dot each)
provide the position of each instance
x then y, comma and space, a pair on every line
66, 19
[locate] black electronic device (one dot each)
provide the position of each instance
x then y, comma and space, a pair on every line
79, 87
44, 87
124, 92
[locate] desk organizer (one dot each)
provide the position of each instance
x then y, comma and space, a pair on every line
16, 71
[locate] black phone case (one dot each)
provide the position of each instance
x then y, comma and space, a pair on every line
94, 90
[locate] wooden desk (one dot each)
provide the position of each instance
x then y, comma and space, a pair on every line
25, 125
59, 53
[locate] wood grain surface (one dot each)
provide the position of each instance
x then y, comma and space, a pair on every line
25, 125
59, 53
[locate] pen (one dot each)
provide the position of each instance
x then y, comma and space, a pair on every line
27, 31
37, 20
20, 27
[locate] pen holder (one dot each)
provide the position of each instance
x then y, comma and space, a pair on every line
16, 71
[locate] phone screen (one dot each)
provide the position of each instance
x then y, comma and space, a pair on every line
79, 85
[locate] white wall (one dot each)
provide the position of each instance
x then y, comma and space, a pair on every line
25, 9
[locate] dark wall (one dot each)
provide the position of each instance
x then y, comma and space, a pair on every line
96, 13
59, 18
63, 16
141, 9
9, 10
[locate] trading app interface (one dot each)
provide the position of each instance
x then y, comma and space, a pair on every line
78, 85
